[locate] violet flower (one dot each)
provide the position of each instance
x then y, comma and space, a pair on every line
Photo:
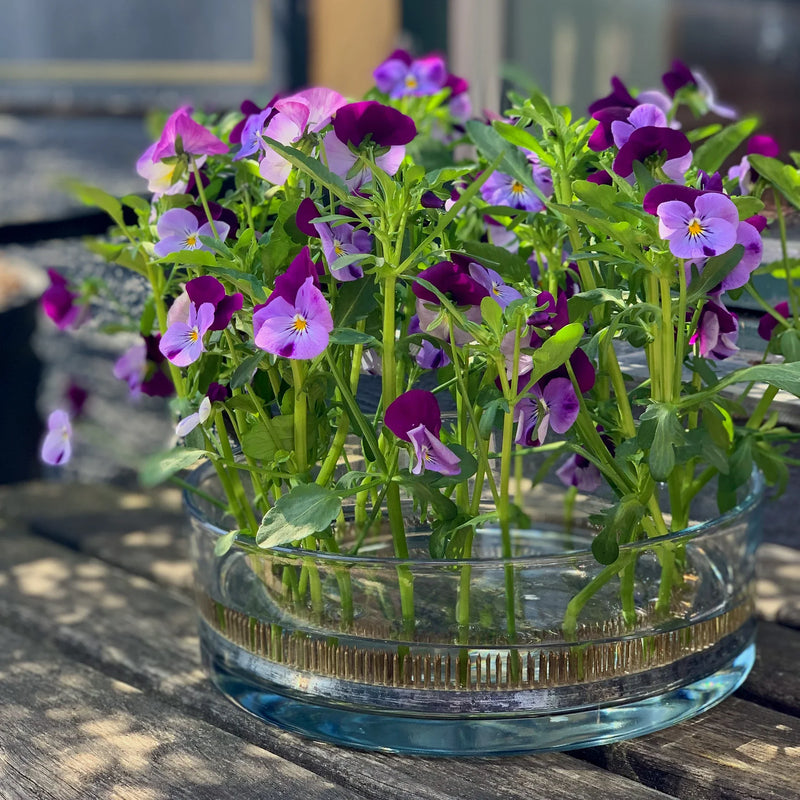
493, 282
400, 75
343, 240
286, 127
680, 76
203, 290
579, 472
298, 329
357, 124
707, 229
182, 134
768, 323
178, 229
250, 137
459, 104
59, 303
556, 405
182, 343
504, 190
643, 116
757, 145
57, 443
650, 141
717, 331
142, 367
415, 417
427, 355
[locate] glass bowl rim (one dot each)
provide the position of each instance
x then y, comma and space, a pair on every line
710, 527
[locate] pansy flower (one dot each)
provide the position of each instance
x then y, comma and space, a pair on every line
768, 323
57, 444
178, 229
717, 331
553, 405
709, 228
401, 75
760, 145
190, 422
343, 240
163, 177
493, 282
579, 472
427, 355
415, 417
298, 328
358, 124
182, 343
59, 302
505, 190
646, 142
679, 76
182, 134
142, 367
206, 290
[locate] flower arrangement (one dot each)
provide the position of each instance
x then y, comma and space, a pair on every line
491, 272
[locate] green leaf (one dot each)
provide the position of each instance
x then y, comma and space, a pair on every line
710, 155
790, 344
492, 315
715, 269
92, 196
556, 350
422, 489
259, 443
195, 258
582, 303
784, 376
522, 138
354, 301
243, 374
747, 205
225, 542
350, 336
306, 510
137, 203
160, 466
784, 177
660, 431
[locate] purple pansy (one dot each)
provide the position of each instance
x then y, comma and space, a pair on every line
182, 134
505, 190
643, 116
707, 229
493, 282
768, 323
401, 75
680, 76
717, 331
357, 123
218, 214
760, 145
415, 417
452, 279
142, 367
427, 355
343, 240
57, 444
59, 302
250, 137
554, 406
76, 396
286, 127
178, 229
288, 283
460, 104
182, 343
298, 329
248, 109
650, 141
579, 472
202, 290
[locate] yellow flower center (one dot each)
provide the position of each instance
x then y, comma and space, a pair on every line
194, 335
695, 228
299, 323
517, 188
191, 240
337, 248
411, 82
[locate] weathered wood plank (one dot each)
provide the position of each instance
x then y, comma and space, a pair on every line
736, 750
145, 635
775, 679
68, 732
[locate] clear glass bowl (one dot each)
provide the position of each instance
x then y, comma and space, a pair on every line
318, 642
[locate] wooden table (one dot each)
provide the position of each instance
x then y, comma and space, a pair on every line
102, 694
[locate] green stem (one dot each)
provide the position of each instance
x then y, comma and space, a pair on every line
201, 192
300, 418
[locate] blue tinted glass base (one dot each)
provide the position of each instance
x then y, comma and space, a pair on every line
474, 736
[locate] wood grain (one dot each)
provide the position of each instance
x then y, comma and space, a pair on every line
68, 732
137, 632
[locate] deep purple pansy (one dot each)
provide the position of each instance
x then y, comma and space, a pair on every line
202, 290
415, 417
59, 302
650, 141
768, 323
579, 472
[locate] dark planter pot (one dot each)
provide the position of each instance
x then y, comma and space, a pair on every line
21, 285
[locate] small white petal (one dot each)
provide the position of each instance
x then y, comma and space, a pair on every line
204, 412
